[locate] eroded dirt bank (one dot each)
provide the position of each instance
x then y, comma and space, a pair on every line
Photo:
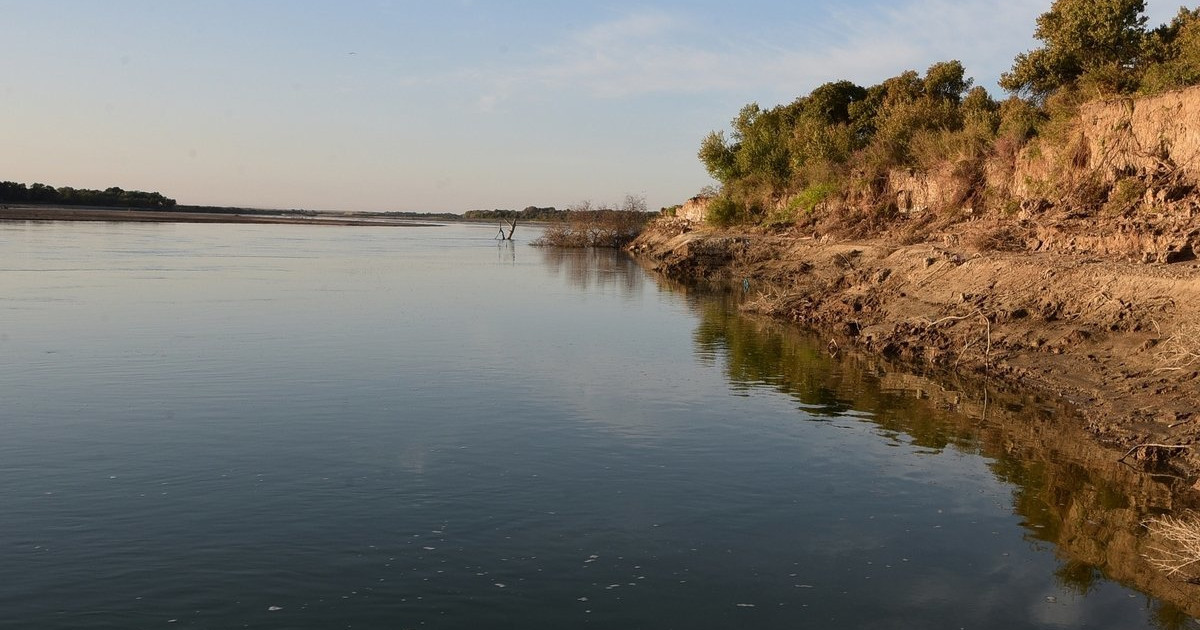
1120, 340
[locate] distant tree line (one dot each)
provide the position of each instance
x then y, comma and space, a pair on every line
780, 166
427, 216
530, 213
250, 211
13, 192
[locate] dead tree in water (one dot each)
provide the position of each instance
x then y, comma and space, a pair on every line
512, 227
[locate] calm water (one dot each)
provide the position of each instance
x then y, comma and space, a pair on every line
297, 427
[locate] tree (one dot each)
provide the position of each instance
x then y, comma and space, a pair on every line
718, 157
1172, 53
633, 203
39, 192
947, 81
1080, 37
762, 148
13, 192
830, 103
908, 105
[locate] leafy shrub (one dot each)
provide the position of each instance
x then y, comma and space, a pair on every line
723, 211
1173, 54
780, 217
813, 196
1125, 195
1019, 120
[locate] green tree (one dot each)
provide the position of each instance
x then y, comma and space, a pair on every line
979, 109
824, 136
947, 81
1172, 53
911, 106
830, 103
762, 150
718, 157
1099, 37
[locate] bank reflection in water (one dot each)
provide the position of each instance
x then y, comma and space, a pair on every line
592, 269
1069, 492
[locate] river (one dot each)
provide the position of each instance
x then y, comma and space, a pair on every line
261, 426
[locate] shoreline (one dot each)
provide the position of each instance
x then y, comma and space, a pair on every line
58, 213
1114, 339
1076, 494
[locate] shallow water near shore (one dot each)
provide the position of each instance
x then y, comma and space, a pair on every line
220, 426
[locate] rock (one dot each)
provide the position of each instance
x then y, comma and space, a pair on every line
1177, 253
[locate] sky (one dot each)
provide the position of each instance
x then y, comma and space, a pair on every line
442, 105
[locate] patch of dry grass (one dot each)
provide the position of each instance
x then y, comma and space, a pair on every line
1180, 351
1176, 545
1003, 238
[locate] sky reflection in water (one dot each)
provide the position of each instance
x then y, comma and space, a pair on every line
288, 426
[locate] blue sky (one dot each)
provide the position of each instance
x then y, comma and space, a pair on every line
440, 105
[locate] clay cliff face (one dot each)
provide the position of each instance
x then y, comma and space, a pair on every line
1122, 179
1156, 138
694, 209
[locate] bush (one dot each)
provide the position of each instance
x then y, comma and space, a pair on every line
723, 211
813, 196
1175, 547
780, 217
1125, 196
845, 140
594, 228
1173, 51
1019, 120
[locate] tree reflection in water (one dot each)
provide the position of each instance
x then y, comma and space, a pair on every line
1068, 490
596, 269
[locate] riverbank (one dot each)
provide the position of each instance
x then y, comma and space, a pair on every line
50, 213
1118, 340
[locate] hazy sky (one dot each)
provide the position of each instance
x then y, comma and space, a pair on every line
441, 105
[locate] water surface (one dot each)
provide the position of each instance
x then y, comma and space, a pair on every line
220, 426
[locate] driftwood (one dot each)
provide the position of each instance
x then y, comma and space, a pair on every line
1167, 446
987, 351
512, 227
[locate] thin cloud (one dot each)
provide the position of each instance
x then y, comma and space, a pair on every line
985, 36
487, 103
658, 52
631, 28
